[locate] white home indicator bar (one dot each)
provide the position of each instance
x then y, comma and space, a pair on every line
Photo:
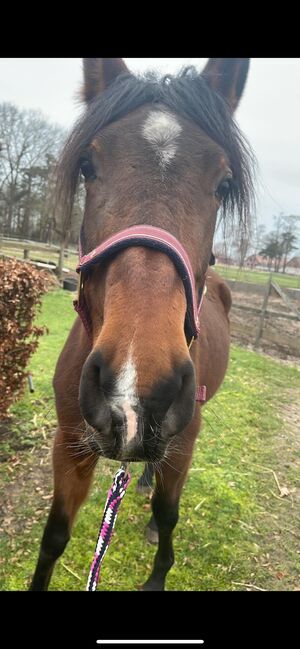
153, 642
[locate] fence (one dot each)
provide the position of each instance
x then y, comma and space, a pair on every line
271, 322
49, 253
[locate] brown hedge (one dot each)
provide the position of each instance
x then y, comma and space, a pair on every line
21, 288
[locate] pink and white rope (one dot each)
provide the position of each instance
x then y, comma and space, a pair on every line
114, 498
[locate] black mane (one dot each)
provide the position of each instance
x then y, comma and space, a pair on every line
187, 94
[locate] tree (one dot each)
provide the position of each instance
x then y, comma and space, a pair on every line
241, 246
288, 242
27, 138
272, 251
279, 243
258, 238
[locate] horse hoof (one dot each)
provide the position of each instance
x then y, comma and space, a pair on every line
152, 536
145, 490
149, 585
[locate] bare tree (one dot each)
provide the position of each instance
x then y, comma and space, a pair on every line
242, 246
279, 243
27, 138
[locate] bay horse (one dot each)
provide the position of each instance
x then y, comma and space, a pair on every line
160, 158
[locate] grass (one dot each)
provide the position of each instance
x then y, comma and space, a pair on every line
258, 276
236, 530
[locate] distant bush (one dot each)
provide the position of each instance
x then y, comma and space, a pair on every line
21, 288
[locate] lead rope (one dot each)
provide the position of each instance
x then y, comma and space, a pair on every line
114, 498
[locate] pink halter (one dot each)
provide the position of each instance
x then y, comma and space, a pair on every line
157, 239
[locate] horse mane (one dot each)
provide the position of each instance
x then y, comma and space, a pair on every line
187, 94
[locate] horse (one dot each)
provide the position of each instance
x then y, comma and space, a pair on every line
162, 159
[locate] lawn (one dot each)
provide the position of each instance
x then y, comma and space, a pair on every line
239, 512
258, 276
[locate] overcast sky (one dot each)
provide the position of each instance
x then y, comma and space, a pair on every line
269, 113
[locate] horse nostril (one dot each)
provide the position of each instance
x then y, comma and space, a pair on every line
170, 406
94, 383
182, 408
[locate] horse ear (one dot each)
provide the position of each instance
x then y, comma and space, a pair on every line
227, 77
99, 74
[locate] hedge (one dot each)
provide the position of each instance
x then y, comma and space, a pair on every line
21, 289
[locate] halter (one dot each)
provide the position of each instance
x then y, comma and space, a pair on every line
158, 239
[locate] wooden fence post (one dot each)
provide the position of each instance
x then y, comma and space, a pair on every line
263, 313
61, 261
285, 299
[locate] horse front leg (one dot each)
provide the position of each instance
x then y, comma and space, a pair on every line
144, 483
72, 479
165, 504
165, 512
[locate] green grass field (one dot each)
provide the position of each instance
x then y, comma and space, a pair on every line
257, 276
237, 530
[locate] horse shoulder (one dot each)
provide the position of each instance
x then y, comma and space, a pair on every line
218, 288
69, 364
212, 351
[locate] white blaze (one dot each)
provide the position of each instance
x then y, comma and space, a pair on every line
162, 129
126, 397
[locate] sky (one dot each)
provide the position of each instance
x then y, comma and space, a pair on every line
269, 113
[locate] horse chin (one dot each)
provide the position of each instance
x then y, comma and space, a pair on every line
114, 449
120, 454
153, 458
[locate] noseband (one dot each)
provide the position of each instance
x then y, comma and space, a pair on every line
158, 239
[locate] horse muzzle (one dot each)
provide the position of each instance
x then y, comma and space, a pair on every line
134, 427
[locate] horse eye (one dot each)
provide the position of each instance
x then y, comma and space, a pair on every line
224, 189
87, 169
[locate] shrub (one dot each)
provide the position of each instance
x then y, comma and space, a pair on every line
21, 289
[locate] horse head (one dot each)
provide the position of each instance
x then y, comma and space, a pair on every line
166, 154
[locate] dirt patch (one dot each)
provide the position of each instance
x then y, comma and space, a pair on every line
280, 521
27, 490
12, 440
26, 479
280, 336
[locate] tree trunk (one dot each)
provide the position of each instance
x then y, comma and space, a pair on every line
27, 211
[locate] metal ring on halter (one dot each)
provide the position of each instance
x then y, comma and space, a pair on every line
193, 337
192, 340
125, 467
